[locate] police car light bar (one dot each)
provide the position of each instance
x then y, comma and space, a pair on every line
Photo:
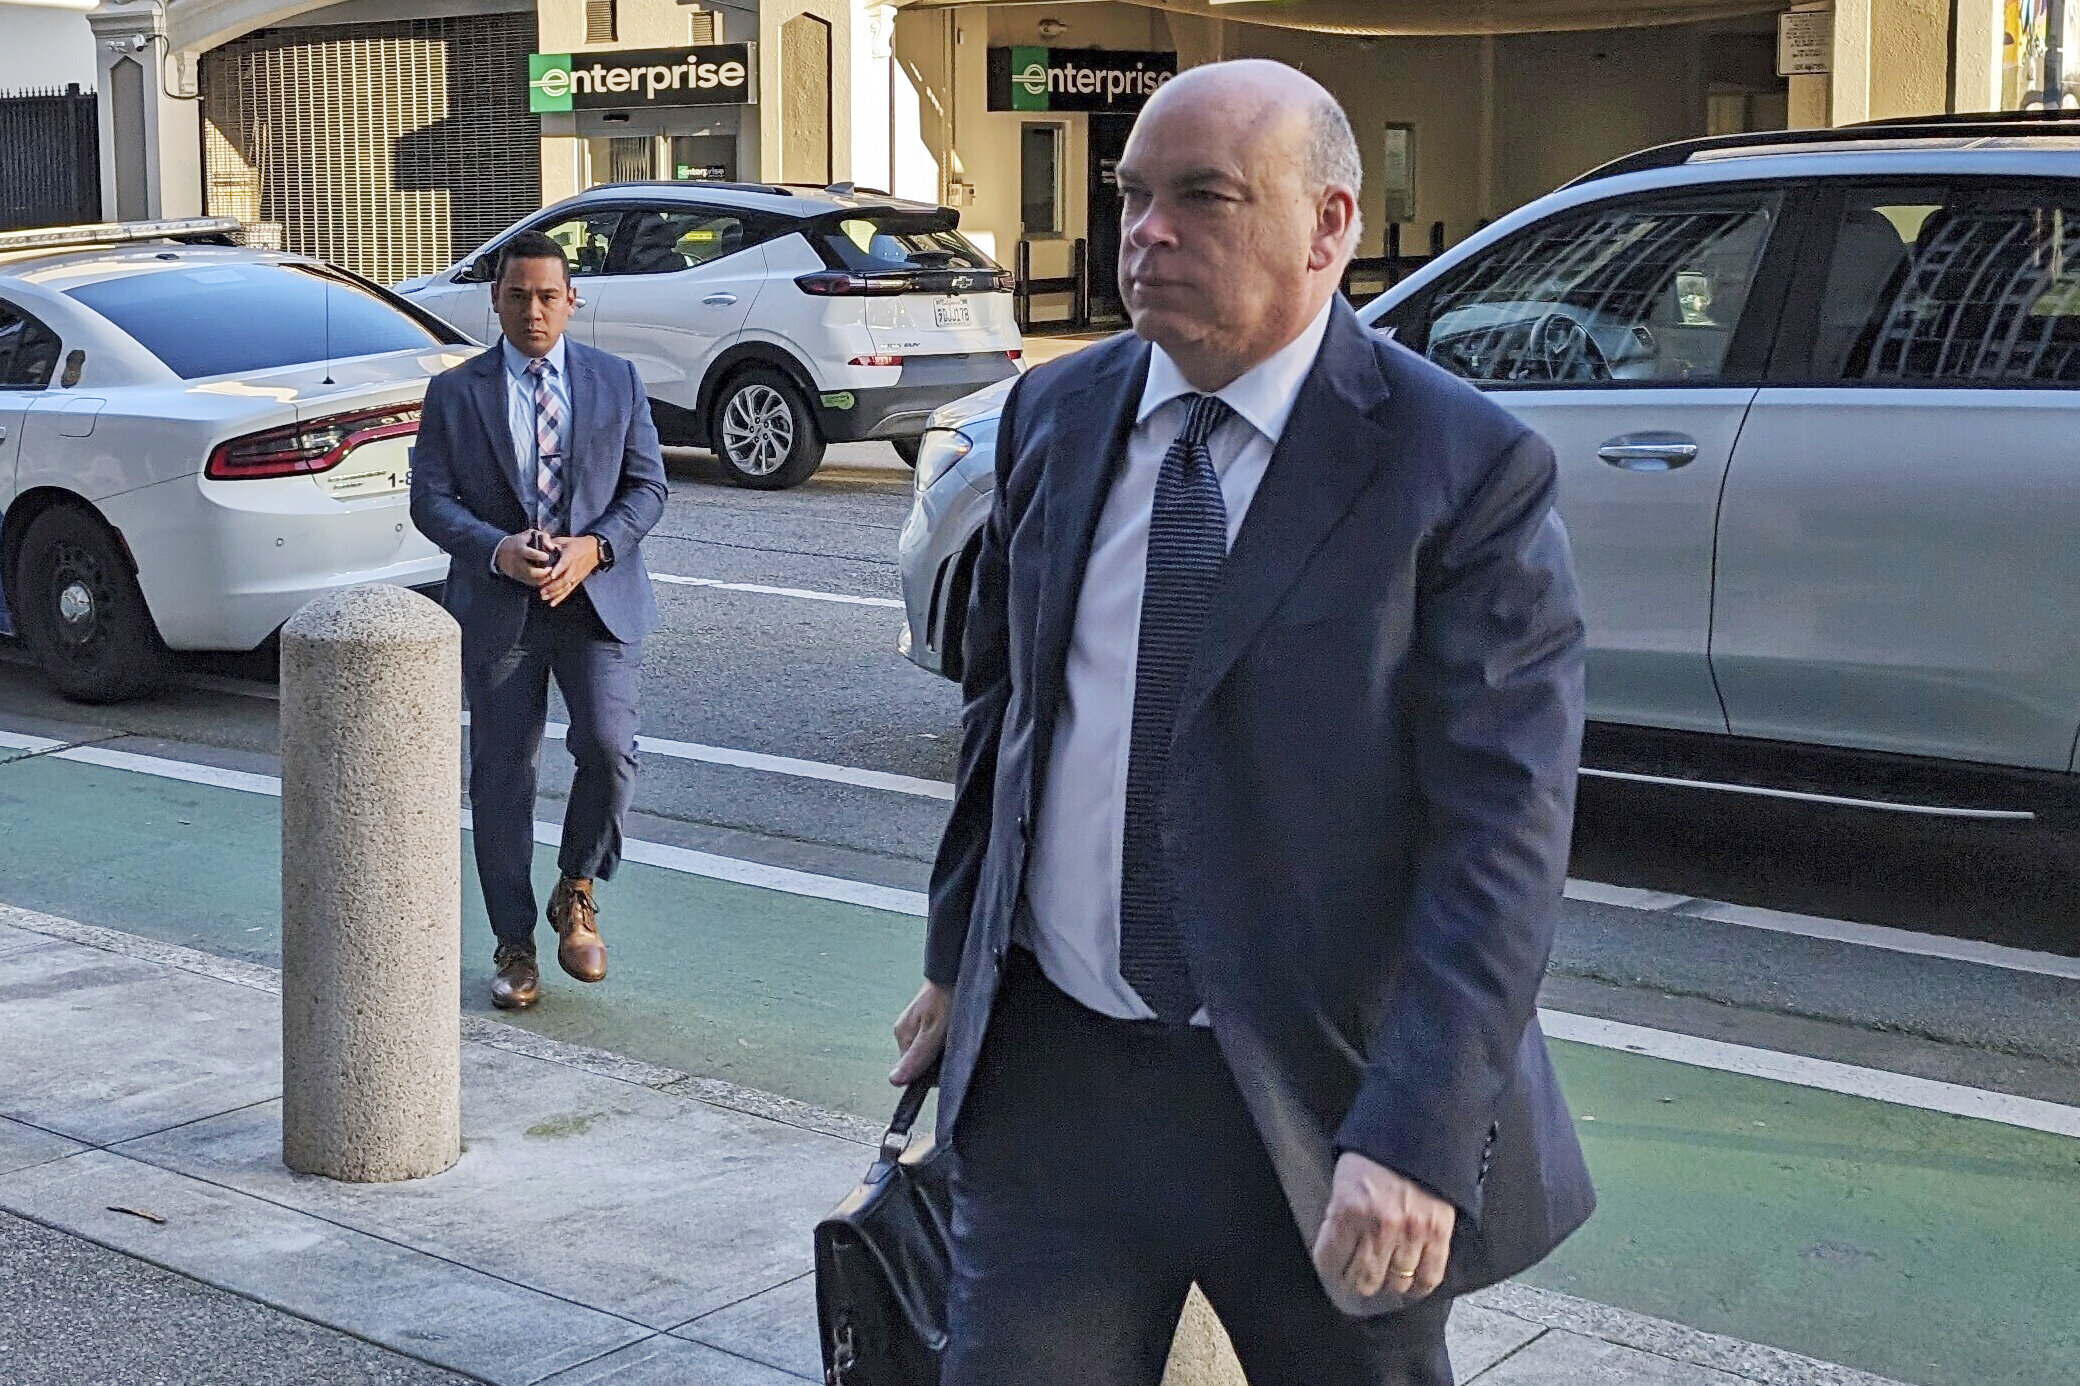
119, 232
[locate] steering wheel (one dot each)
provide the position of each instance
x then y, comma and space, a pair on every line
1560, 348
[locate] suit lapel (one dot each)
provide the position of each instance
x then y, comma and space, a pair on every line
1332, 448
584, 393
490, 394
1084, 453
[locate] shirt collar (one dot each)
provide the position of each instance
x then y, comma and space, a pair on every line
1264, 395
516, 360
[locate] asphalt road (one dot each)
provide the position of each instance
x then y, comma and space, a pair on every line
820, 681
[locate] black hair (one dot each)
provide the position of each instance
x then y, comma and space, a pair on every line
530, 245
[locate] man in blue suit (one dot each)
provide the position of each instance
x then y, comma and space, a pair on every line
537, 469
1273, 706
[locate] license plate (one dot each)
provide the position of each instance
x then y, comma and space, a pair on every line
953, 312
380, 468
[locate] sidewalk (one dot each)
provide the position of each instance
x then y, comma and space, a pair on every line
610, 1223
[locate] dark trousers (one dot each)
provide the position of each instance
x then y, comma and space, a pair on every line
509, 701
1103, 1166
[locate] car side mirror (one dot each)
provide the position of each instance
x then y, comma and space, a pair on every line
482, 270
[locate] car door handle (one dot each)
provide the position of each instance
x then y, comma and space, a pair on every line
719, 300
1649, 452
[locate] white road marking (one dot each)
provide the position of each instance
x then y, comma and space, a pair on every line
1899, 1089
754, 873
782, 765
1966, 950
1627, 897
1878, 1084
799, 593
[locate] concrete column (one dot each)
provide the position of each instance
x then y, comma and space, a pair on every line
1981, 35
1200, 1354
1891, 58
151, 132
371, 887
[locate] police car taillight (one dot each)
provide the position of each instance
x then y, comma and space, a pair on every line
303, 449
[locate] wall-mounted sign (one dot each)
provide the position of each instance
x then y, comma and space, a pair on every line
722, 75
1397, 173
1075, 79
1805, 43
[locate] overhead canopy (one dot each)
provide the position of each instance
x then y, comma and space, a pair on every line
1367, 18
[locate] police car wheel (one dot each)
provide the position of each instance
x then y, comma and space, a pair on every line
82, 614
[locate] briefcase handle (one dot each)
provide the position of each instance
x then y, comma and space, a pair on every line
897, 1139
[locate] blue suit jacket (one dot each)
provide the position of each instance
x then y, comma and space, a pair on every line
1371, 784
466, 493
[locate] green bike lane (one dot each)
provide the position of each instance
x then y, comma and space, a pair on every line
1926, 1247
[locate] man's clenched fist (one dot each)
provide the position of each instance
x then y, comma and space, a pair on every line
1382, 1232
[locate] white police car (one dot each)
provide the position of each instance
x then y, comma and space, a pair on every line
196, 439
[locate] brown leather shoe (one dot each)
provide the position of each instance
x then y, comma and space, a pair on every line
579, 948
518, 984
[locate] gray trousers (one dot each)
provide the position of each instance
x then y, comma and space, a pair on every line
509, 699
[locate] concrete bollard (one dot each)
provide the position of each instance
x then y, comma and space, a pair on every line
371, 887
1200, 1354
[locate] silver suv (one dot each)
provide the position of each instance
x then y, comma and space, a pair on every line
1816, 400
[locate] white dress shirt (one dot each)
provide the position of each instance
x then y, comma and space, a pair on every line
1073, 885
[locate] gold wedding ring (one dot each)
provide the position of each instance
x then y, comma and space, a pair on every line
1408, 1274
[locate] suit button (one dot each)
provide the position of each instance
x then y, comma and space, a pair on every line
1021, 825
996, 956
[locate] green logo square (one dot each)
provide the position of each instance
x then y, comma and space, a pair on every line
1029, 79
548, 82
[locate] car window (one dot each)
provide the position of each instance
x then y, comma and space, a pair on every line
228, 317
1973, 286
660, 241
1646, 291
28, 350
884, 242
586, 238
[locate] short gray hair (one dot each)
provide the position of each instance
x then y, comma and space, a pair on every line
1332, 153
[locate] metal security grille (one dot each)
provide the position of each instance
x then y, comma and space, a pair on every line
600, 25
387, 148
50, 159
704, 27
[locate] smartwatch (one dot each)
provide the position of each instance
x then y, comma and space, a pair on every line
606, 553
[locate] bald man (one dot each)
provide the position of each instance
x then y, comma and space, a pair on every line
1273, 706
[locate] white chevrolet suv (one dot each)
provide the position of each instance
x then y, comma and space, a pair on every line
768, 320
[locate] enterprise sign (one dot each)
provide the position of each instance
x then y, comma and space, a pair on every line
719, 75
1075, 79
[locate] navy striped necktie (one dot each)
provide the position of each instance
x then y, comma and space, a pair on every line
1187, 544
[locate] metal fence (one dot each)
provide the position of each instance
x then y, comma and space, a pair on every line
50, 159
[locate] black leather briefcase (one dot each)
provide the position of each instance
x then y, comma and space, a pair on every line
882, 1264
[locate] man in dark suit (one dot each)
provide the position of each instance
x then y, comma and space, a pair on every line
1273, 708
537, 469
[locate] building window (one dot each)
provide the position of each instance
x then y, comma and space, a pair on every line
601, 24
704, 28
1040, 180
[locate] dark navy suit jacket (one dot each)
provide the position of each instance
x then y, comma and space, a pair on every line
466, 493
1371, 784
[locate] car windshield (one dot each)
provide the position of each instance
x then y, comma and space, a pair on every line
225, 318
885, 242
